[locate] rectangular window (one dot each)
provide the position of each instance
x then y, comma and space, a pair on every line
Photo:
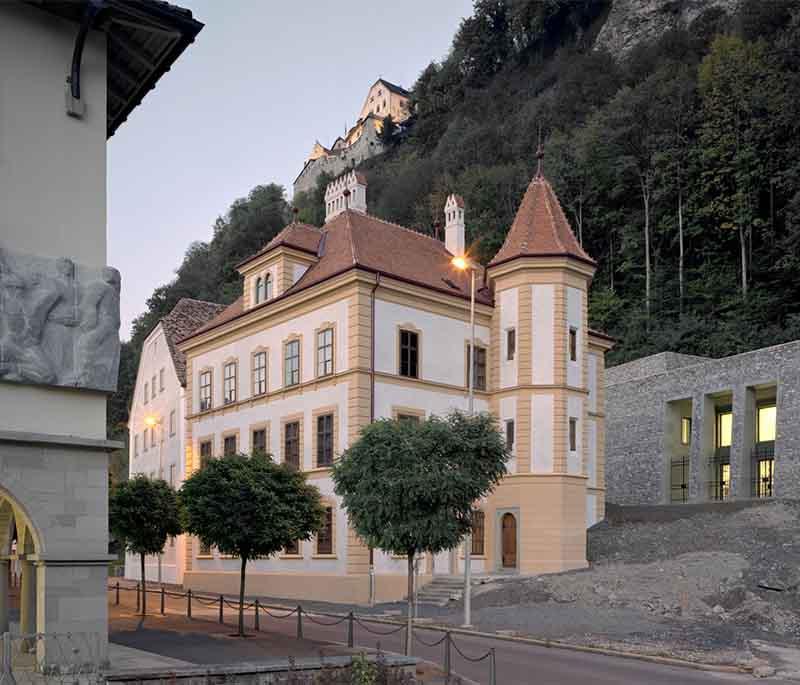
229, 445
573, 344
408, 418
325, 440
409, 354
144, 440
258, 443
679, 480
172, 422
205, 391
510, 428
724, 428
766, 424
292, 550
152, 437
573, 434
511, 344
478, 527
229, 383
325, 352
153, 388
291, 363
135, 445
291, 444
146, 393
259, 373
205, 453
161, 380
325, 535
480, 367
686, 430
764, 477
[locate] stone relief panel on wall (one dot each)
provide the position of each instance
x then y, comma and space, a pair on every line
59, 322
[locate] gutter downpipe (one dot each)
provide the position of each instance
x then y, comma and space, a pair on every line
372, 417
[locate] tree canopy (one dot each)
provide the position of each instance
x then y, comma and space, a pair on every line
143, 513
249, 507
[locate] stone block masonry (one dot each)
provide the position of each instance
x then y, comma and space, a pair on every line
647, 400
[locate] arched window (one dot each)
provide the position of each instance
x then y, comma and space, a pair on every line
259, 289
268, 287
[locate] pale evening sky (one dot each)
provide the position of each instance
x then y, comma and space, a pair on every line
243, 106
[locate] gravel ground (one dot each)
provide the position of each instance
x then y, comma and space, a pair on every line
699, 588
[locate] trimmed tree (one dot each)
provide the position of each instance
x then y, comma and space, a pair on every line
409, 488
249, 507
142, 514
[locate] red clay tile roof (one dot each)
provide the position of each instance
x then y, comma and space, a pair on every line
297, 235
184, 319
540, 228
354, 240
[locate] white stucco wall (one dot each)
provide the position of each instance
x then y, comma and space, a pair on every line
575, 320
591, 453
591, 370
508, 411
52, 166
542, 333
542, 429
443, 342
509, 317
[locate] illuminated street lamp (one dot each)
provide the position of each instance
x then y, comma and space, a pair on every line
462, 263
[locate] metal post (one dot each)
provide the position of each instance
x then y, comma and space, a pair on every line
257, 620
163, 597
350, 621
116, 590
447, 666
138, 599
473, 361
189, 603
220, 608
492, 667
416, 586
299, 622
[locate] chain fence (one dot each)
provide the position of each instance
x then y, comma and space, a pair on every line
323, 619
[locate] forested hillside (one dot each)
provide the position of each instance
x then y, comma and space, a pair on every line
677, 164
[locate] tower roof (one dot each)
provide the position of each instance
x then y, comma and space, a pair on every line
540, 228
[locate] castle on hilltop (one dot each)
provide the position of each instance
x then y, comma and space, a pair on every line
361, 141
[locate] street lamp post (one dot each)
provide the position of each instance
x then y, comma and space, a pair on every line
463, 263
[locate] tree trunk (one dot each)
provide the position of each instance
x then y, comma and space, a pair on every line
410, 617
144, 587
680, 249
646, 203
241, 596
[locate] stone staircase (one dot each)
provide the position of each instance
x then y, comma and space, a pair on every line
441, 590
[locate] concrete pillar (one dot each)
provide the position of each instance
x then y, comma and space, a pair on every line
4, 599
27, 598
743, 439
702, 446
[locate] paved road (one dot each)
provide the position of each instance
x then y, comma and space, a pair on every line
517, 664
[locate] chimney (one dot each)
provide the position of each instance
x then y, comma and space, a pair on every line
454, 239
335, 201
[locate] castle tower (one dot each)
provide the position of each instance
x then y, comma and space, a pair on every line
336, 198
454, 231
540, 346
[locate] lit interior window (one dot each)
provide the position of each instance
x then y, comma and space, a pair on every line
724, 429
766, 423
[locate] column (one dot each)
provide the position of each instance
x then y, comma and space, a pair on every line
743, 439
27, 598
4, 599
702, 446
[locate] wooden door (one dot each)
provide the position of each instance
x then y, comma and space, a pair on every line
509, 541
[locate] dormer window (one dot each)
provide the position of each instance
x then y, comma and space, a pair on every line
268, 287
259, 290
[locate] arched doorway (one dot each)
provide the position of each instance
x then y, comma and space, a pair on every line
508, 541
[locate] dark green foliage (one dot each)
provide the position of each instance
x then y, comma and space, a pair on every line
250, 507
142, 514
388, 128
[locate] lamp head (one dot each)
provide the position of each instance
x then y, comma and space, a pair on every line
461, 263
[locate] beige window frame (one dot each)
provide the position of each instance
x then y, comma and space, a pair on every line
205, 451
296, 553
285, 422
292, 362
330, 538
228, 440
573, 434
409, 356
205, 383
259, 385
257, 427
573, 344
511, 344
173, 422
478, 533
230, 381
333, 412
325, 348
482, 362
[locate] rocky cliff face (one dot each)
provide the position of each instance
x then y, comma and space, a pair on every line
633, 21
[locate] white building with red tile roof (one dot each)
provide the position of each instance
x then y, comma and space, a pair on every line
363, 319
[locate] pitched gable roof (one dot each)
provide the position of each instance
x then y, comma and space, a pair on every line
394, 87
540, 228
185, 318
298, 235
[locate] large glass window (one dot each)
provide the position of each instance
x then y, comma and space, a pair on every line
325, 352
205, 390
291, 444
724, 430
291, 363
409, 354
325, 440
479, 366
511, 343
229, 383
229, 445
686, 430
259, 373
205, 453
325, 535
259, 290
258, 442
765, 427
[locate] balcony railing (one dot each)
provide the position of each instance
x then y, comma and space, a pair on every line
762, 469
679, 479
719, 467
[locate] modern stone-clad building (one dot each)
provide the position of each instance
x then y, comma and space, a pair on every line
682, 428
362, 319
